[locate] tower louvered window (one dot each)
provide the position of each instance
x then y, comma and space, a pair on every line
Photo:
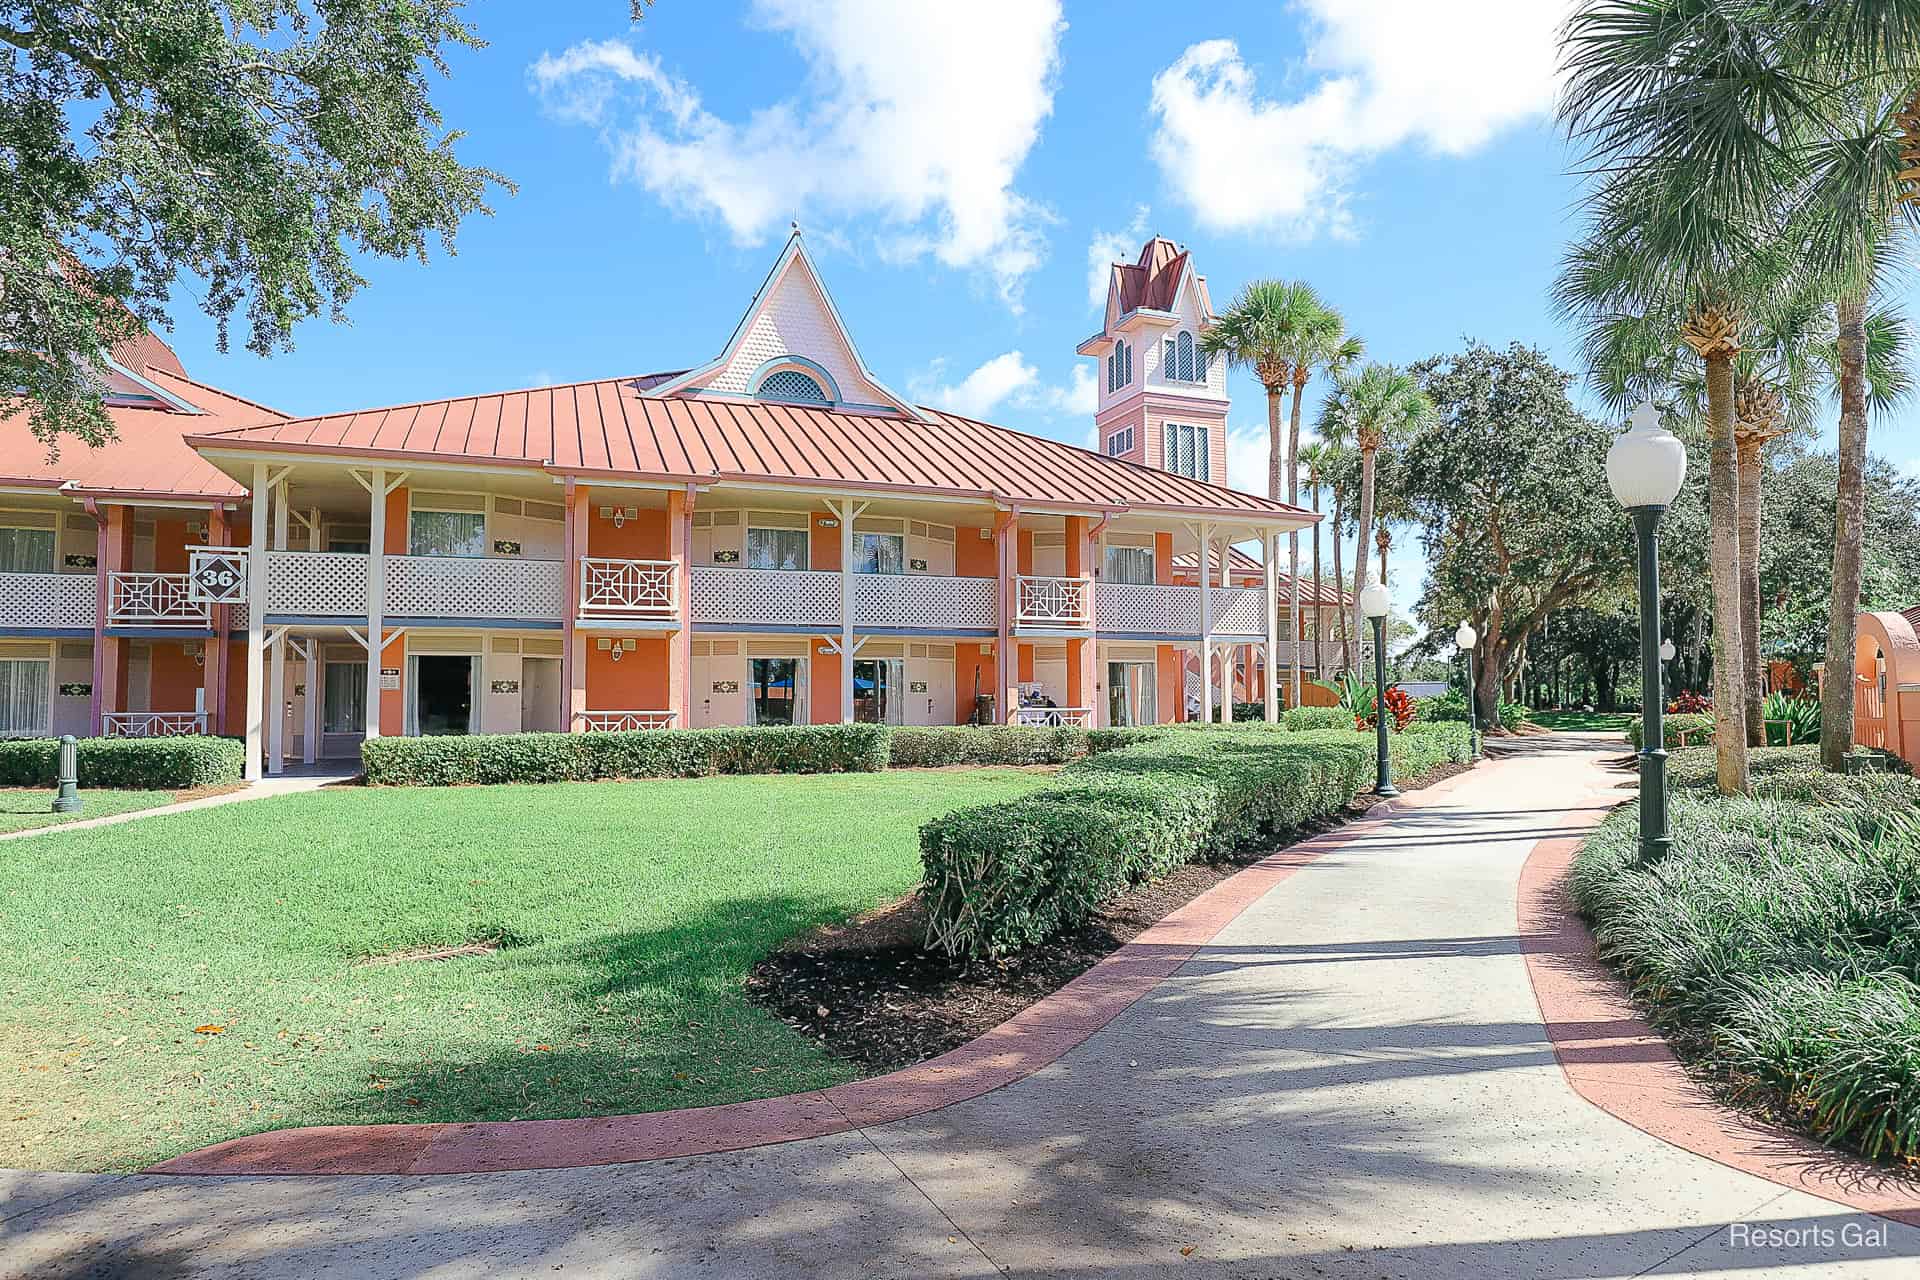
1187, 453
1186, 356
1113, 363
1126, 364
1169, 368
791, 384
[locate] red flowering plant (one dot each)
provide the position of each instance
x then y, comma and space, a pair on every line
1399, 706
1687, 702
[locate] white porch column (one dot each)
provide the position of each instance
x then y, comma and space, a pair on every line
256, 620
845, 510
310, 730
277, 668
376, 595
1206, 624
1270, 686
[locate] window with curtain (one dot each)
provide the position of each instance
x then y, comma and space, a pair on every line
1187, 452
25, 701
345, 708
776, 548
1186, 356
1128, 565
26, 550
447, 533
879, 553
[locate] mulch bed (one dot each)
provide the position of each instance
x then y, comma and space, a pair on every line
867, 992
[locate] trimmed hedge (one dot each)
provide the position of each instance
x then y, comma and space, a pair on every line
1697, 726
127, 764
924, 747
651, 753
1301, 719
1006, 876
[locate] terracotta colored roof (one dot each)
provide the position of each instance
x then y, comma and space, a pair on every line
611, 427
148, 457
1153, 282
146, 351
1239, 564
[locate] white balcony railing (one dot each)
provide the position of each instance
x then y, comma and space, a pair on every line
625, 721
794, 597
48, 601
493, 587
152, 724
323, 584
1240, 611
152, 600
627, 588
920, 600
1149, 609
1053, 602
1054, 717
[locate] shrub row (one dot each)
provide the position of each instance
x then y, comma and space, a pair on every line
127, 764
1685, 728
929, 746
1001, 877
653, 753
1301, 719
1779, 943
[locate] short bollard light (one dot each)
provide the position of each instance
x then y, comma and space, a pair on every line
1464, 639
1645, 467
1375, 603
67, 798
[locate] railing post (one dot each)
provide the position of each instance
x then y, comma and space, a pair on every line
256, 618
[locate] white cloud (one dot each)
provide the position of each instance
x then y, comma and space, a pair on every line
1008, 380
913, 119
1379, 74
1247, 455
1109, 247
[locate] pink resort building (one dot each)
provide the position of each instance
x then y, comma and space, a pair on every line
771, 536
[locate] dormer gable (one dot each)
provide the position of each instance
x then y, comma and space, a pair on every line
791, 347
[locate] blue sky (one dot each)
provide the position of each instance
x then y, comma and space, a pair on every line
958, 169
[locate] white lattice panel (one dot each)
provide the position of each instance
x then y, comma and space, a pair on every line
446, 587
1146, 607
895, 600
1239, 611
627, 588
325, 584
47, 600
796, 597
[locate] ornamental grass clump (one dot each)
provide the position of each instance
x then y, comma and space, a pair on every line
1779, 943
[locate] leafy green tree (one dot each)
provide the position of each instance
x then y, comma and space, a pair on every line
1508, 487
260, 145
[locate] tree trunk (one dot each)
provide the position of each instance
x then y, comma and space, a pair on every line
1343, 619
1293, 537
1723, 499
1363, 525
1319, 613
1751, 468
1492, 659
1849, 520
1383, 539
1276, 461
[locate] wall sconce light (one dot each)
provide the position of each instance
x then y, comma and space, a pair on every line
614, 649
619, 515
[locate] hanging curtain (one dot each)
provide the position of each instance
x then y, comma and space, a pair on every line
26, 550
25, 707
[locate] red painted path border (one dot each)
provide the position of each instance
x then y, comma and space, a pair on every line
1619, 1063
1018, 1047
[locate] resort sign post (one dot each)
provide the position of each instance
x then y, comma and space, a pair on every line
1464, 639
1375, 601
1645, 467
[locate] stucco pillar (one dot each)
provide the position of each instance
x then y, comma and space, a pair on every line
1269, 690
573, 665
213, 675
376, 594
277, 667
256, 621
1206, 622
1006, 663
680, 646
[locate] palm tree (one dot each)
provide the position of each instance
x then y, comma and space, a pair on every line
1378, 407
1315, 457
1326, 345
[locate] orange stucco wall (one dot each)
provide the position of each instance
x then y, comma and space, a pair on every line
1163, 558
396, 546
170, 539
638, 682
970, 661
173, 678
1025, 675
823, 553
237, 686
1025, 564
973, 555
1173, 695
642, 538
823, 686
393, 704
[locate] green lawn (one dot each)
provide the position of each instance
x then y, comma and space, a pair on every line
628, 913
24, 809
1585, 721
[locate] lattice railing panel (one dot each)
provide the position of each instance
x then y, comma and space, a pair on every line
1060, 602
938, 603
47, 600
323, 584
1132, 606
1239, 611
626, 588
1054, 717
796, 597
152, 724
449, 587
625, 721
153, 600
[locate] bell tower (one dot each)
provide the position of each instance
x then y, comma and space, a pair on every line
1162, 402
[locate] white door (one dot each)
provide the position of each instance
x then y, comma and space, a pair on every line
540, 695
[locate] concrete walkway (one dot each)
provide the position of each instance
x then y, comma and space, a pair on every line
307, 778
1352, 1080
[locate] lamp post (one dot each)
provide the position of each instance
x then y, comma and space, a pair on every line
1464, 639
1645, 467
1374, 603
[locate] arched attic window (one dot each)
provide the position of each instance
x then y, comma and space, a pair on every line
791, 385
